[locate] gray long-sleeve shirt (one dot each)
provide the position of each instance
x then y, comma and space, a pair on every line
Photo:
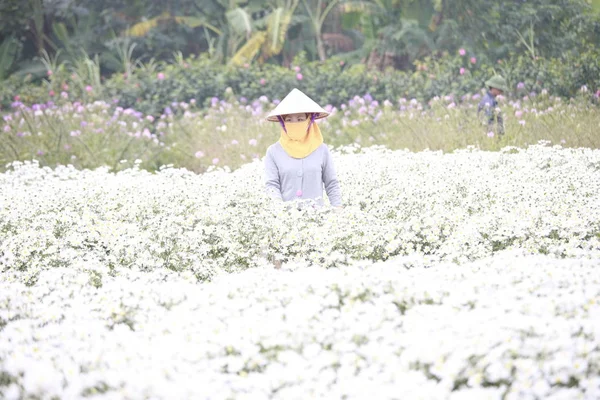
289, 178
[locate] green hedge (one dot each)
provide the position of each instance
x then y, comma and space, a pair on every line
150, 90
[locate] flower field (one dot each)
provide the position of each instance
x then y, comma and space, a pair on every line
469, 275
230, 132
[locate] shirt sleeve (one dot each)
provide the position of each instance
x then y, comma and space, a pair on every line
332, 186
485, 108
272, 182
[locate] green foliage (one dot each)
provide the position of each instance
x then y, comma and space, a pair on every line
9, 52
551, 27
152, 86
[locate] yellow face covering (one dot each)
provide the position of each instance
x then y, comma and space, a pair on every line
299, 143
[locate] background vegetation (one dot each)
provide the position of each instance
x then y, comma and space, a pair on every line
171, 82
548, 42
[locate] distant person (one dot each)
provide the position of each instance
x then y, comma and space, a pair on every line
299, 165
488, 110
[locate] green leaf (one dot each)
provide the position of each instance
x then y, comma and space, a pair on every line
240, 21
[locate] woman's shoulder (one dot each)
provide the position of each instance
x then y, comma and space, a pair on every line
274, 148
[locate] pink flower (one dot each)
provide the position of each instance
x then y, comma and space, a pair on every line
234, 142
64, 95
88, 88
17, 98
563, 141
252, 142
297, 68
473, 60
150, 118
462, 52
263, 81
342, 63
299, 76
65, 87
67, 147
299, 193
51, 93
490, 134
199, 154
518, 113
462, 71
49, 72
215, 161
522, 123
40, 153
160, 76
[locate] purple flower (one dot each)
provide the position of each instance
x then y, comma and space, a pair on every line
199, 154
521, 85
368, 98
490, 134
40, 153
215, 161
168, 111
252, 142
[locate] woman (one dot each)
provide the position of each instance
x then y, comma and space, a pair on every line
299, 165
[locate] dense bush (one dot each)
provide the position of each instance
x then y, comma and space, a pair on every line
150, 90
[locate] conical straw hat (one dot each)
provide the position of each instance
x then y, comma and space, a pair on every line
297, 102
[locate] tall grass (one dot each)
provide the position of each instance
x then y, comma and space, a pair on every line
232, 132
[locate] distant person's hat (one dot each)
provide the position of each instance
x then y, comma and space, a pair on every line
297, 102
497, 82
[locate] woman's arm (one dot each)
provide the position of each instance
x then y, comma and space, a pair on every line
332, 186
272, 183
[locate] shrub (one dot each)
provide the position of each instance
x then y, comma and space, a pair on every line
150, 89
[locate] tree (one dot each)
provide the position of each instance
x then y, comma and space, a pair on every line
265, 36
396, 32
